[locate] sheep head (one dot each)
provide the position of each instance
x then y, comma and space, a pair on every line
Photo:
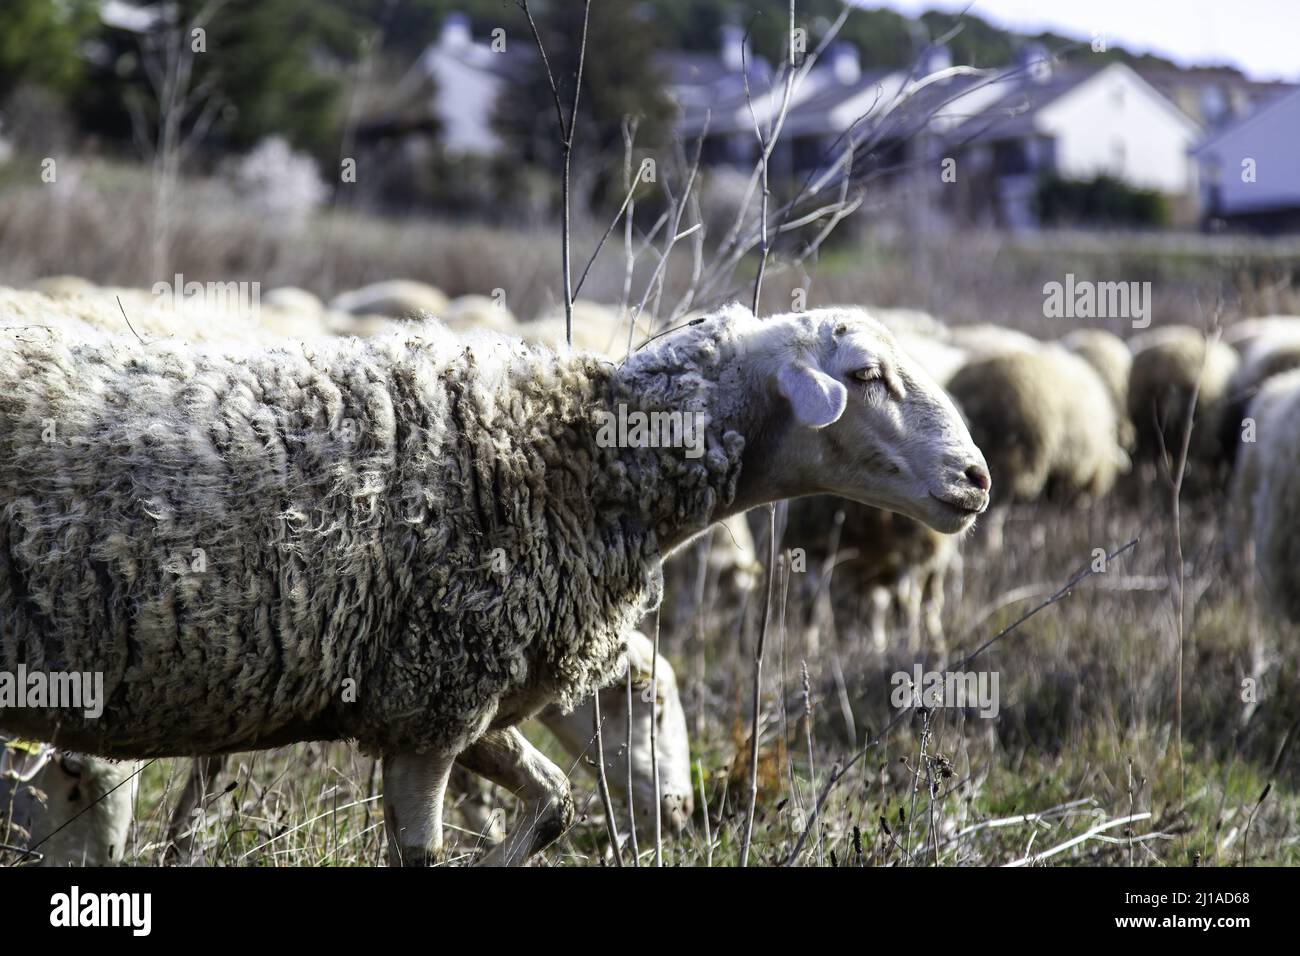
851, 414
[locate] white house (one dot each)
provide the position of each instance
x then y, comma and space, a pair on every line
1078, 122
467, 76
1250, 170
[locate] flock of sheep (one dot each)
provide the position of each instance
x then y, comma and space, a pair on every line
416, 510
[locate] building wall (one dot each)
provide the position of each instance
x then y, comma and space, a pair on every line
1114, 123
1272, 140
464, 101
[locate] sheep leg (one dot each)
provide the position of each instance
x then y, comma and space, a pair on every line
181, 830
933, 609
507, 759
414, 787
880, 601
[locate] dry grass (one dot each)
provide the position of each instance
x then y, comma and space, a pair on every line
1085, 733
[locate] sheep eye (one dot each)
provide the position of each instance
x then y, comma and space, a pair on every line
868, 375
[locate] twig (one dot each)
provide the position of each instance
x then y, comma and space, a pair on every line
758, 689
631, 806
654, 746
1081, 838
566, 147
603, 782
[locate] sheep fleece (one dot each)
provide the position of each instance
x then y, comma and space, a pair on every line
230, 536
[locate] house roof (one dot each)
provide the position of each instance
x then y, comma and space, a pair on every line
1265, 113
1015, 114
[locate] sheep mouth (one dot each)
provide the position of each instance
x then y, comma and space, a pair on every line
963, 507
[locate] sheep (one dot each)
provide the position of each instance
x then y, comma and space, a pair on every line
1261, 408
983, 339
62, 285
292, 299
575, 732
596, 328
1045, 421
190, 324
940, 359
1111, 359
1242, 334
137, 312
417, 541
394, 298
64, 808
478, 312
1268, 354
891, 560
1264, 497
910, 322
1167, 364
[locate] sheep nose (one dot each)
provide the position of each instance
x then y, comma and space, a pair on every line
978, 476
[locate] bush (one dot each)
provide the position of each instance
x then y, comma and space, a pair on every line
1104, 200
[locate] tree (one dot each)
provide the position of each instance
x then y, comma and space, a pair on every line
618, 80
40, 42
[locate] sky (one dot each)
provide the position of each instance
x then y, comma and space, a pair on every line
1259, 37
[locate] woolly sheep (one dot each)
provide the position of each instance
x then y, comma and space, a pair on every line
1267, 355
910, 322
67, 808
983, 339
1262, 410
478, 312
1167, 364
152, 318
1045, 422
414, 541
891, 560
940, 359
293, 299
575, 731
1242, 334
395, 298
596, 328
1111, 359
62, 285
192, 326
1266, 506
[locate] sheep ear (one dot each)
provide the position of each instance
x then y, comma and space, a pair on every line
817, 399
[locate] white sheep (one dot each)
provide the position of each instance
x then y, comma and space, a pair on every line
888, 559
395, 298
1111, 359
1047, 423
575, 731
413, 541
293, 299
1269, 354
1242, 333
596, 328
1167, 364
64, 809
137, 312
1265, 510
478, 312
985, 339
